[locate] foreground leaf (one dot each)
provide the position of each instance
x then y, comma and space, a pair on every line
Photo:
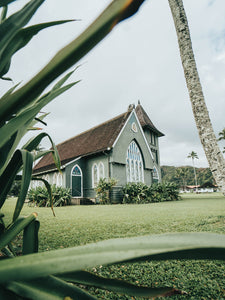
154, 247
27, 161
114, 285
20, 40
48, 288
5, 2
12, 25
15, 229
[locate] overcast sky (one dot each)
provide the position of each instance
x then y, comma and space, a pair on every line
138, 60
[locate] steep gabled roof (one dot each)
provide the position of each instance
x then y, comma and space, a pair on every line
145, 121
94, 140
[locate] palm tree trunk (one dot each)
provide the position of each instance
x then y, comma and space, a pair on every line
207, 136
195, 175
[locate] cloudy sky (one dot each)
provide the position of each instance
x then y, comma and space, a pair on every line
139, 60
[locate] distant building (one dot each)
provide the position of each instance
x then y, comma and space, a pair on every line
206, 187
125, 148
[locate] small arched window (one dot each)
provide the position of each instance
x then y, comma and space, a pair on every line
155, 174
101, 170
97, 173
134, 164
59, 179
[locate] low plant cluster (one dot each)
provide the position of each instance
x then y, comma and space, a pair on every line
157, 192
39, 196
103, 188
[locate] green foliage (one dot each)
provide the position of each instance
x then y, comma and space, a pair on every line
103, 188
140, 193
15, 189
170, 174
39, 196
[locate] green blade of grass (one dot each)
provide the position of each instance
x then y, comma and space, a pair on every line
48, 288
20, 40
154, 247
115, 285
33, 143
5, 2
8, 176
10, 26
49, 190
25, 117
27, 161
15, 229
30, 237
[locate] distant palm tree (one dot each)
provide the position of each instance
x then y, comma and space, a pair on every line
193, 155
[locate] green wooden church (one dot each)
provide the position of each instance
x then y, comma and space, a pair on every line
125, 148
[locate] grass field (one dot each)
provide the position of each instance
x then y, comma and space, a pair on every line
79, 225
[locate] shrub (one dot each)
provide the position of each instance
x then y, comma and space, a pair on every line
40, 196
103, 188
157, 192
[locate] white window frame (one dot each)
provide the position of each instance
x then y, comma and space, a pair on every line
81, 175
98, 174
155, 172
134, 163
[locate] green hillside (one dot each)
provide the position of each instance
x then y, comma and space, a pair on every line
184, 175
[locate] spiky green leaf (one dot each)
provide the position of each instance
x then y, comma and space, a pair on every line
10, 27
27, 161
15, 229
114, 285
20, 40
48, 288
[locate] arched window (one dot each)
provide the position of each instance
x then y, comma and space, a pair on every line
55, 178
134, 164
101, 170
155, 175
59, 179
97, 173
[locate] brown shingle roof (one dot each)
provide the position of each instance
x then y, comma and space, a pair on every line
94, 140
145, 121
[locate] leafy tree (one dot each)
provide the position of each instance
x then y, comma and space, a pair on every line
181, 173
207, 136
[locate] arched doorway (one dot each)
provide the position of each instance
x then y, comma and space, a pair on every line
76, 182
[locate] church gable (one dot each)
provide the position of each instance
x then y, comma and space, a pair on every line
132, 131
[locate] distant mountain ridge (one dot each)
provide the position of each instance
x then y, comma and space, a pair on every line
171, 174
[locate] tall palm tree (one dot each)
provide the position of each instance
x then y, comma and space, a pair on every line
207, 136
193, 155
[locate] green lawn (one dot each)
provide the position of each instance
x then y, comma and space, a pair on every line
77, 225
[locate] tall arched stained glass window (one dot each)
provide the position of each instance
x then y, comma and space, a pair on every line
155, 175
97, 173
134, 164
101, 170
